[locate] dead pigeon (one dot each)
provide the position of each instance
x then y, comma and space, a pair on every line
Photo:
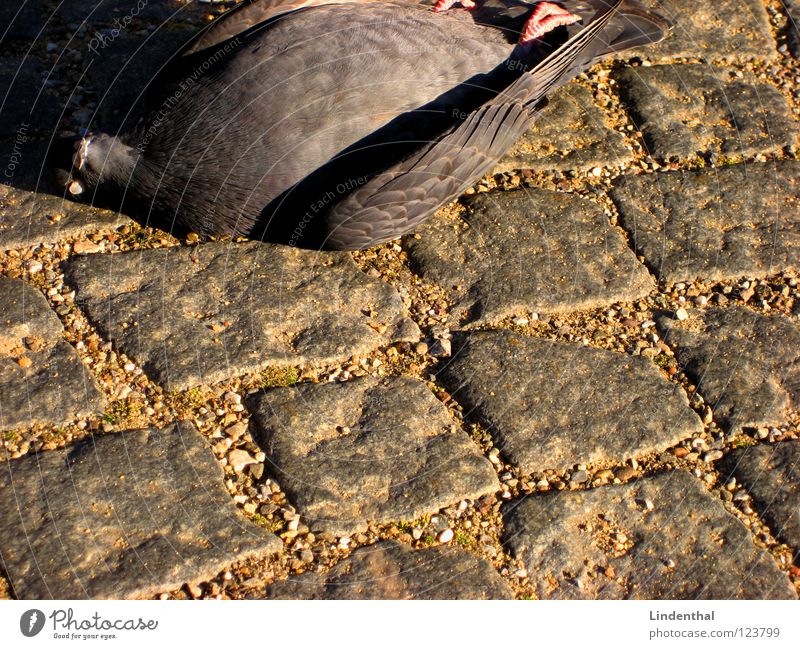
341, 123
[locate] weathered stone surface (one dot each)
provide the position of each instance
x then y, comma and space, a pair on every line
123, 515
745, 364
42, 379
663, 537
771, 475
730, 30
553, 405
714, 224
25, 106
389, 570
368, 450
29, 218
526, 250
683, 110
570, 133
203, 314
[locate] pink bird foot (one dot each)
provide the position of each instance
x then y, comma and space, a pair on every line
545, 18
445, 5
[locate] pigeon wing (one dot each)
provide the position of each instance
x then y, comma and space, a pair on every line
250, 14
401, 197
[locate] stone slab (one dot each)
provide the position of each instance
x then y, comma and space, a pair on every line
712, 30
553, 405
369, 450
29, 218
388, 570
687, 110
714, 224
203, 314
121, 516
663, 537
572, 132
771, 475
527, 250
42, 379
745, 364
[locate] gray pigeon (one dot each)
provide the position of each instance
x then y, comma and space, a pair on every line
341, 124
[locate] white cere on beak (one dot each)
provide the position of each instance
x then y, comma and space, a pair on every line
81, 149
75, 187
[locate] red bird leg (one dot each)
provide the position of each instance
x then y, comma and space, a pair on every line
444, 5
545, 18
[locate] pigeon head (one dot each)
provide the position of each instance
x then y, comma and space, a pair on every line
84, 164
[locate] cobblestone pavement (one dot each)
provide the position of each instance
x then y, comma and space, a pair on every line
578, 381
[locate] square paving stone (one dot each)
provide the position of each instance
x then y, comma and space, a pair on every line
368, 450
572, 132
664, 537
42, 379
771, 475
745, 365
714, 224
553, 405
120, 516
388, 570
687, 110
527, 250
730, 30
206, 313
